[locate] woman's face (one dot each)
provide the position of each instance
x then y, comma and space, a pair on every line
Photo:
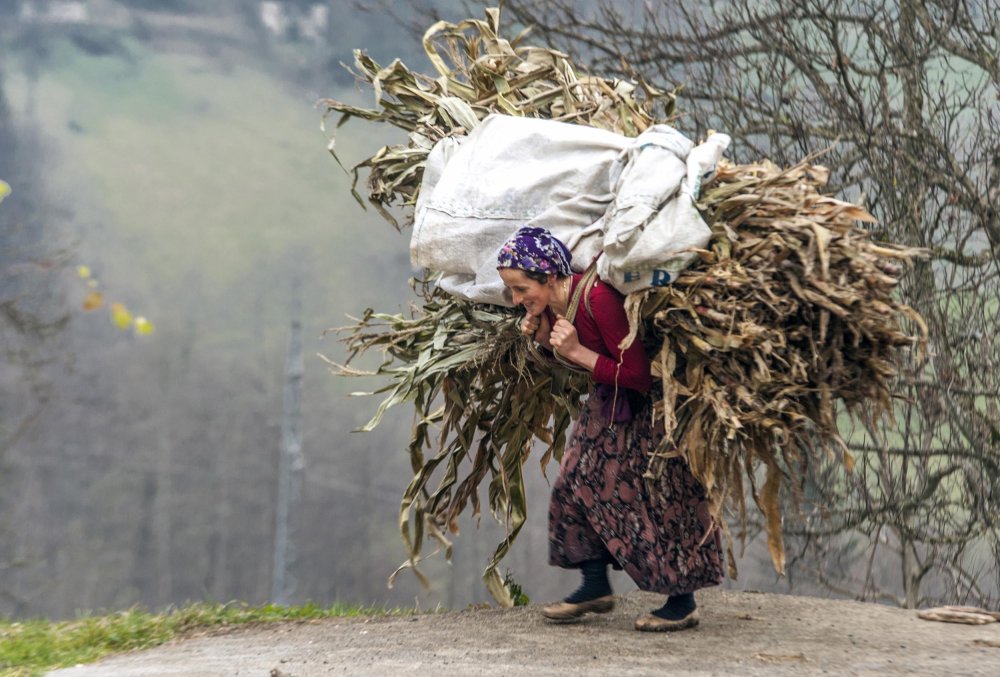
534, 296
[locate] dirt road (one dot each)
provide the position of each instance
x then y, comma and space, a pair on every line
741, 633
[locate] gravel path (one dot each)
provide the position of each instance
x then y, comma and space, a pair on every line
741, 633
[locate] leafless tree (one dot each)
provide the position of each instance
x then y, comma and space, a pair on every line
904, 97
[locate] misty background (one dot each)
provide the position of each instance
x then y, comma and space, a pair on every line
174, 149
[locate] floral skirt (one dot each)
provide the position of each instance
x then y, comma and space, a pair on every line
600, 505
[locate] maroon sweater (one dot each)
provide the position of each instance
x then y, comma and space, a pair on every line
603, 332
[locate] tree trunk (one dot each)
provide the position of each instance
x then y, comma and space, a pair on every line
290, 458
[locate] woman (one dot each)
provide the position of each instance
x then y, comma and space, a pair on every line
601, 511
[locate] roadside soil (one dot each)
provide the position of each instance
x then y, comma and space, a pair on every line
741, 633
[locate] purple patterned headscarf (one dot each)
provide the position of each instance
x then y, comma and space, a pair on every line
536, 250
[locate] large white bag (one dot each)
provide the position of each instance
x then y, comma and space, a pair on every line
510, 172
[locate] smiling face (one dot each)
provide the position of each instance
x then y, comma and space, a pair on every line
531, 294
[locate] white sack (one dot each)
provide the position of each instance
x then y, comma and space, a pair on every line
652, 224
510, 172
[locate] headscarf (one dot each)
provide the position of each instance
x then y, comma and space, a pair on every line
535, 250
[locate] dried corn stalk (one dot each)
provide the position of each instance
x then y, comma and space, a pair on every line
788, 313
479, 73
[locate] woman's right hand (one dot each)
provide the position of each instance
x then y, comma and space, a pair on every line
537, 328
529, 325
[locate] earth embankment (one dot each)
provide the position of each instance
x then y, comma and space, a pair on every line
741, 633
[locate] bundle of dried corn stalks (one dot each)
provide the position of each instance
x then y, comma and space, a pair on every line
479, 405
789, 312
484, 73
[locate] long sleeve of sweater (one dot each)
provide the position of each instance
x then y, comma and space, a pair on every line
608, 326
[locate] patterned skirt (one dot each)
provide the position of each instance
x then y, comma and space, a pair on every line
600, 505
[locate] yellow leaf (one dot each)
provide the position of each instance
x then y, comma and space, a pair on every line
4, 189
772, 511
94, 300
143, 326
83, 271
120, 316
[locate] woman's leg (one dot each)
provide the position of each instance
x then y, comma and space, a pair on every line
677, 607
593, 595
679, 612
573, 541
595, 581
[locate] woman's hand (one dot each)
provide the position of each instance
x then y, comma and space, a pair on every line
563, 338
537, 327
529, 325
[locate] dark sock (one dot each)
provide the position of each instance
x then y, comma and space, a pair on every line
677, 607
595, 582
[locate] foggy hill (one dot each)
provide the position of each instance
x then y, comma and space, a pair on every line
178, 156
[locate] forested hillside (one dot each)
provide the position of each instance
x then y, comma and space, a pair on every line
175, 152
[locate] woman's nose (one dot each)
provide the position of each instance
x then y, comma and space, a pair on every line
518, 298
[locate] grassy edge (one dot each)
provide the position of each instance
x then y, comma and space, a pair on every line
29, 648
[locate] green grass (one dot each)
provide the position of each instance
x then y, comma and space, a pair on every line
33, 647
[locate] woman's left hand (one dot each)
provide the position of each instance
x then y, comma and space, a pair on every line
563, 337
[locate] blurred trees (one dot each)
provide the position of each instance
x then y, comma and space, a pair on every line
149, 475
903, 98
32, 256
33, 311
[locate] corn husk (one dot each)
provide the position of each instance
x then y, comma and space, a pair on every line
787, 318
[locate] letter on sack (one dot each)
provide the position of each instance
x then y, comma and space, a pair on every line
661, 278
